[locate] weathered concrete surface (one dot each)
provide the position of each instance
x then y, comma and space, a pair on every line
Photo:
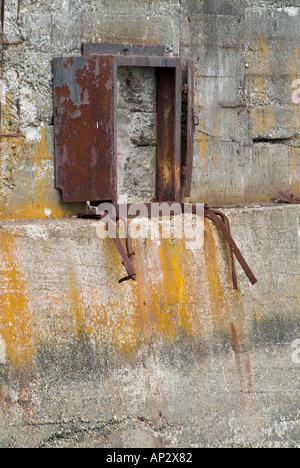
177, 359
246, 57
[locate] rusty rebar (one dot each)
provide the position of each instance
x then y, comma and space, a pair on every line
291, 197
218, 217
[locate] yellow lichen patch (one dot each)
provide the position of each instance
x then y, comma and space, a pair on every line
41, 148
105, 323
144, 301
262, 117
203, 144
161, 296
263, 45
42, 195
30, 187
15, 318
124, 331
77, 308
259, 308
173, 288
218, 301
177, 279
172, 296
179, 293
7, 113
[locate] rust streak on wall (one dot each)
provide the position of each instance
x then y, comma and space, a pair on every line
16, 320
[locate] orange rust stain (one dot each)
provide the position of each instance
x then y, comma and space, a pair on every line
263, 45
41, 148
167, 304
250, 384
204, 139
259, 315
263, 117
225, 304
16, 319
236, 345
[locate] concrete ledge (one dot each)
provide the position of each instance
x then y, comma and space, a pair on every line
177, 359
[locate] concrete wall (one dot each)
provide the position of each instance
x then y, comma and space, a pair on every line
246, 56
178, 358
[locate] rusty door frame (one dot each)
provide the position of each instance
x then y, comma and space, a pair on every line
190, 127
103, 48
168, 187
169, 108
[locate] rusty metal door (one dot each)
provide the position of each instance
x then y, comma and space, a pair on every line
190, 127
84, 123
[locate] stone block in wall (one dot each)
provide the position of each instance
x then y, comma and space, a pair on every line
225, 121
276, 165
99, 26
138, 174
135, 7
236, 172
142, 129
137, 89
136, 134
224, 7
222, 167
273, 122
211, 31
272, 64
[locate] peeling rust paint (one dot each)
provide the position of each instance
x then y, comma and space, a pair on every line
85, 128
